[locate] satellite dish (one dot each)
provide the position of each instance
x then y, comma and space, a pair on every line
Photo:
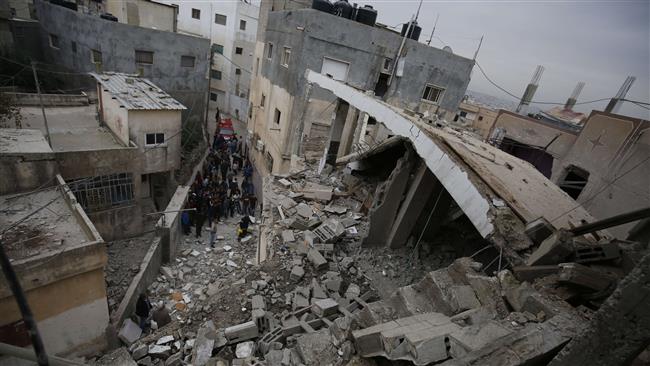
448, 49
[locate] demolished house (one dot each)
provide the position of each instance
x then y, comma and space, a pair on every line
428, 248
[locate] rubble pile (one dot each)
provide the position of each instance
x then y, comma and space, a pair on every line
311, 302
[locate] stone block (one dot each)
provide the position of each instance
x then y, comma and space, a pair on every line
130, 332
318, 261
287, 236
241, 332
555, 249
578, 275
368, 341
245, 349
204, 344
297, 272
175, 360
325, 307
140, 351
531, 273
257, 302
463, 298
317, 290
158, 351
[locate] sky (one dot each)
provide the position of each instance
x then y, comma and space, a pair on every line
598, 42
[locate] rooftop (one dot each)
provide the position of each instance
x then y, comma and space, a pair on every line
22, 141
136, 93
71, 128
51, 229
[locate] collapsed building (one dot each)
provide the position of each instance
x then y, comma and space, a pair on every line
343, 271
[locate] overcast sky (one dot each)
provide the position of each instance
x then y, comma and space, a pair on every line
598, 42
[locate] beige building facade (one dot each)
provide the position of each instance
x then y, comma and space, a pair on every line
144, 13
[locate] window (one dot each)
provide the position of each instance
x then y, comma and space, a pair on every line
463, 114
154, 139
73, 45
574, 181
387, 64
237, 71
257, 66
95, 57
144, 57
218, 48
480, 118
196, 13
276, 116
213, 97
286, 55
54, 41
215, 74
337, 70
262, 100
432, 93
187, 61
239, 50
269, 51
242, 24
102, 192
220, 19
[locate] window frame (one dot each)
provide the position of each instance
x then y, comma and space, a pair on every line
54, 41
198, 13
93, 59
240, 49
156, 136
218, 16
143, 52
262, 101
286, 53
277, 117
237, 71
432, 87
213, 72
242, 22
269, 51
218, 48
188, 57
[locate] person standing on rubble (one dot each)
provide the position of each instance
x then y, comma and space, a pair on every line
142, 309
213, 233
243, 227
200, 216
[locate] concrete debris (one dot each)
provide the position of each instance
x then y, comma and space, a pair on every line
296, 273
130, 332
241, 332
204, 344
318, 261
317, 192
245, 349
330, 230
287, 236
157, 351
325, 307
316, 348
118, 357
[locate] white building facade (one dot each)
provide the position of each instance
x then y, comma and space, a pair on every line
232, 28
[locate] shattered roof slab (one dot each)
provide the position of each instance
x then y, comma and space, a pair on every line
478, 176
136, 93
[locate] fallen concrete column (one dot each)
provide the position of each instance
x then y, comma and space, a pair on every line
416, 198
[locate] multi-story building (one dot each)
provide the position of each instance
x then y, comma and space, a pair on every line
231, 26
290, 118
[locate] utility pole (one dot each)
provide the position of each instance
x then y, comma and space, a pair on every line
40, 99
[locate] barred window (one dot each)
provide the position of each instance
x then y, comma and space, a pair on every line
103, 192
143, 57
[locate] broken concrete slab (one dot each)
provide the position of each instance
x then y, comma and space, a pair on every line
118, 357
316, 348
553, 250
316, 191
140, 351
204, 344
330, 230
578, 275
325, 307
158, 351
319, 262
257, 302
287, 236
241, 332
297, 272
245, 349
304, 210
130, 332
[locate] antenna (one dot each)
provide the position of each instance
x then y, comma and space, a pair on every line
417, 14
531, 88
478, 48
433, 30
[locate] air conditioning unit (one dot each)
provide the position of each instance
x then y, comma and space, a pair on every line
260, 145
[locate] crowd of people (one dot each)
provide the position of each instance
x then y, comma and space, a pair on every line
216, 193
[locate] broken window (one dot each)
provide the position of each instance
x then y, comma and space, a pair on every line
239, 50
187, 61
143, 57
154, 139
286, 55
220, 19
196, 13
269, 51
276, 117
102, 192
574, 181
242, 24
54, 41
432, 93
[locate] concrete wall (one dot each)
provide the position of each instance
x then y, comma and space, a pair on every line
160, 158
113, 115
24, 172
614, 150
168, 226
144, 13
118, 43
149, 270
50, 100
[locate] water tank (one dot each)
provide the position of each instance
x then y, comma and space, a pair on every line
367, 15
323, 5
343, 9
414, 32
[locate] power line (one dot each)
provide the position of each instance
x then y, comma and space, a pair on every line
534, 101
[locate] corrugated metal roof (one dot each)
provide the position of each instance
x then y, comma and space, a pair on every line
136, 93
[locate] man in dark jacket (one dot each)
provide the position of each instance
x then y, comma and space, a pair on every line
142, 309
